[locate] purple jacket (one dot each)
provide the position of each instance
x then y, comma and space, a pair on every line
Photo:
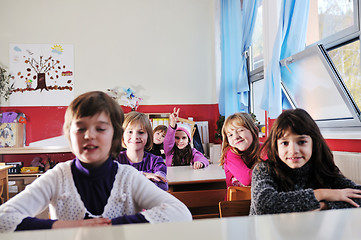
150, 164
168, 144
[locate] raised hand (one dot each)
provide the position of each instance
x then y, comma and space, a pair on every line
173, 117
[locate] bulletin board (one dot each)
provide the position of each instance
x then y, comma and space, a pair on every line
43, 74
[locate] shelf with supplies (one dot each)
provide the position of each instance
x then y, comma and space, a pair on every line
158, 119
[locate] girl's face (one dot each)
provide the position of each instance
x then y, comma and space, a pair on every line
91, 138
135, 137
181, 139
239, 137
158, 137
294, 150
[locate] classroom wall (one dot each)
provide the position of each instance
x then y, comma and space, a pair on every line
162, 49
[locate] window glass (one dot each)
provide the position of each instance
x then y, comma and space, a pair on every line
312, 83
329, 17
257, 42
347, 60
257, 88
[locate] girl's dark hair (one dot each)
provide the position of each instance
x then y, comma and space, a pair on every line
160, 128
299, 122
250, 156
90, 104
182, 157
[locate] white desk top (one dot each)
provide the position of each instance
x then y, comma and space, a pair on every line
5, 167
330, 225
186, 174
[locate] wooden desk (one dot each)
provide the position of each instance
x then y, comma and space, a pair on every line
18, 182
200, 190
331, 225
4, 187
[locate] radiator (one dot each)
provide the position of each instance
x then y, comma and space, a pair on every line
350, 165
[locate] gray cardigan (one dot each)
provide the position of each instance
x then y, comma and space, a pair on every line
268, 198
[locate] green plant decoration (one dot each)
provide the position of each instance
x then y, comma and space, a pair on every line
219, 123
254, 117
5, 87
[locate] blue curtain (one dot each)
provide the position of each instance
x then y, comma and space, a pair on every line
237, 24
249, 14
290, 39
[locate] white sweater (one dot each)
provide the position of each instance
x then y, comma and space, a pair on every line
131, 193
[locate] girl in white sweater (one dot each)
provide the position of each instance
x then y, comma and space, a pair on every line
92, 189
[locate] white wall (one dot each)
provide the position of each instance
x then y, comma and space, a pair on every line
163, 49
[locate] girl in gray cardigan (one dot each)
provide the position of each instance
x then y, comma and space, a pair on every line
299, 173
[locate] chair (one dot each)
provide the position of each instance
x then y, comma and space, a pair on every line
190, 123
234, 208
1, 192
238, 193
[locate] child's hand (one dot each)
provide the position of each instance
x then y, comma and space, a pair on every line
82, 223
197, 165
334, 195
155, 177
173, 117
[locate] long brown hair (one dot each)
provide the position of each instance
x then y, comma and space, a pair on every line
299, 122
249, 156
182, 157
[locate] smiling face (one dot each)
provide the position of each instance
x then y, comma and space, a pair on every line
158, 137
239, 137
294, 150
91, 138
181, 139
135, 137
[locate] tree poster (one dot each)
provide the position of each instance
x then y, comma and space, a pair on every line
42, 74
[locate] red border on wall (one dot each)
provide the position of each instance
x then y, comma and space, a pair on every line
344, 145
47, 122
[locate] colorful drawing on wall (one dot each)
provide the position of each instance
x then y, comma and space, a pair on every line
43, 74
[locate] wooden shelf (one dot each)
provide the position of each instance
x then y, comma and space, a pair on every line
31, 150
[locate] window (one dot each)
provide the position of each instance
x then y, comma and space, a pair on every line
257, 86
335, 24
255, 63
256, 50
331, 20
312, 82
347, 61
330, 89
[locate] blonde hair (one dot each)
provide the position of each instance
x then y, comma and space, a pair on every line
137, 117
91, 103
249, 156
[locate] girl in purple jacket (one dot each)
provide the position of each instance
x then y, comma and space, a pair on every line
177, 148
137, 138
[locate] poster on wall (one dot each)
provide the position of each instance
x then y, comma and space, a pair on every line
43, 74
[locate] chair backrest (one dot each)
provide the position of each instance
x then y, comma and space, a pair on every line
190, 123
238, 193
234, 208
